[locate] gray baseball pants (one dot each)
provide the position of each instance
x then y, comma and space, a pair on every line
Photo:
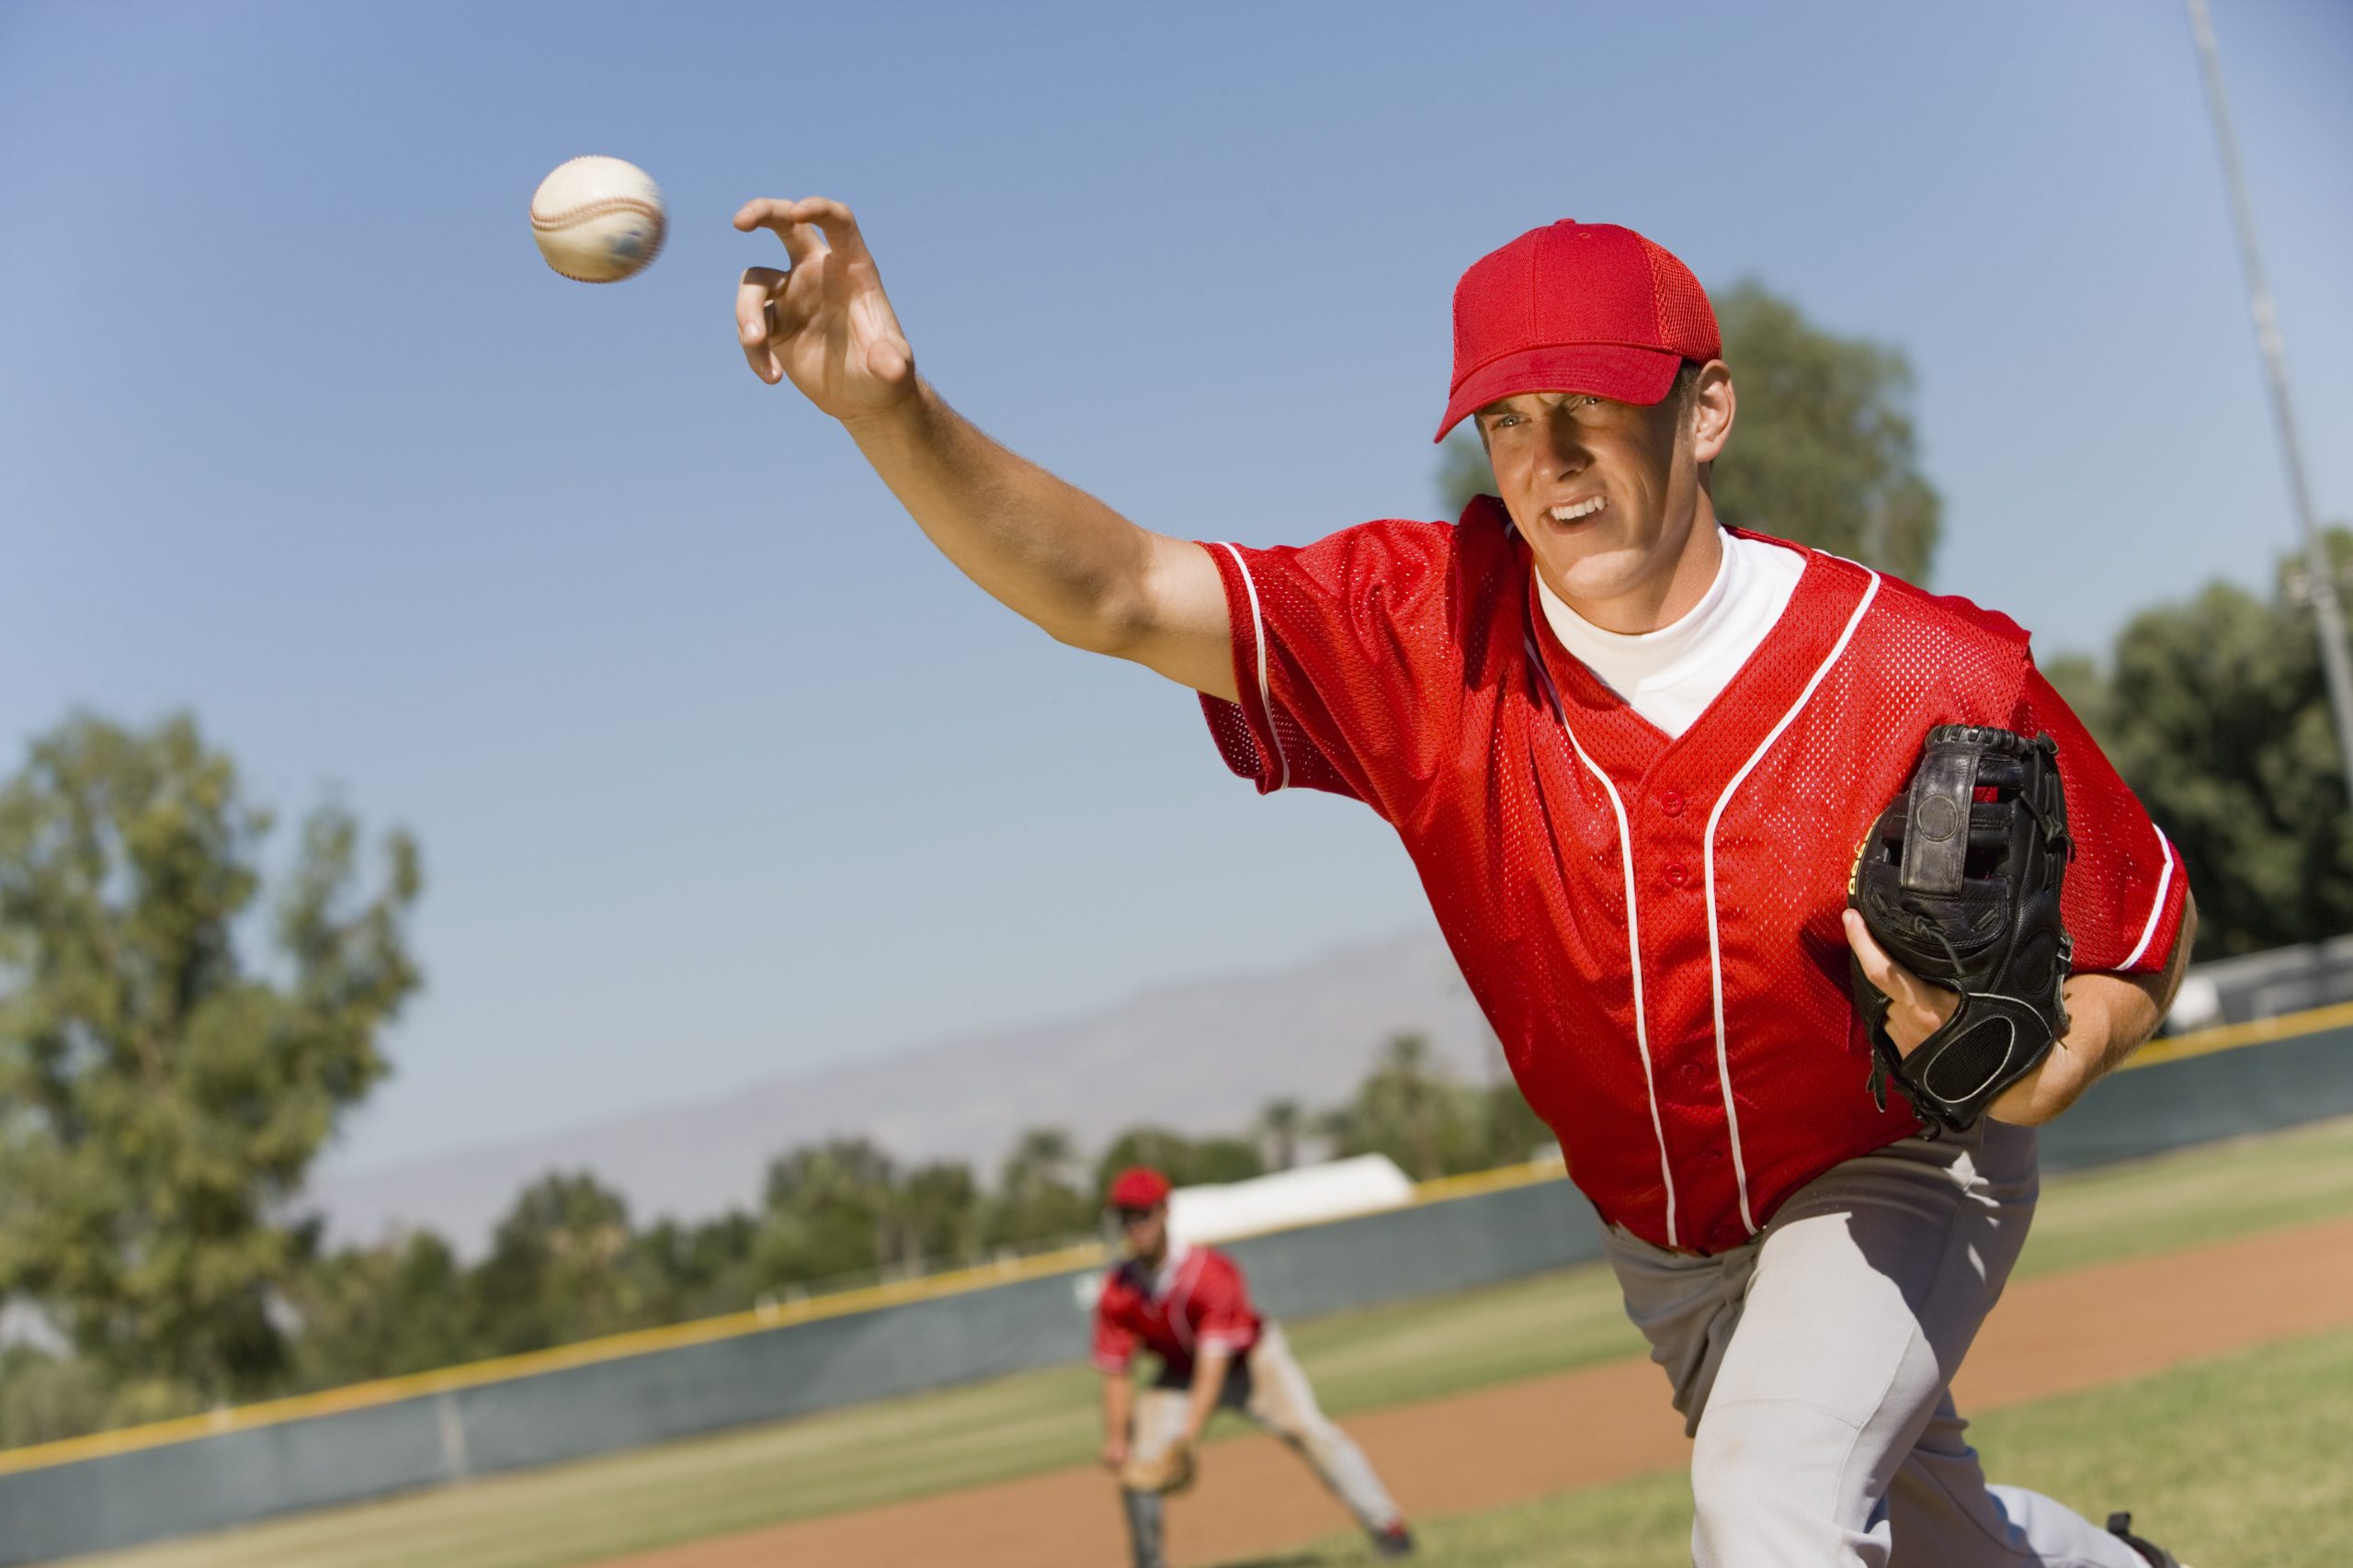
1267, 1385
1812, 1367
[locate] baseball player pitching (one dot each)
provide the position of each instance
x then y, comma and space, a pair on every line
1795, 894
1189, 1306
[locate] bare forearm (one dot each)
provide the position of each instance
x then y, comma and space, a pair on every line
1039, 545
1047, 549
1119, 1404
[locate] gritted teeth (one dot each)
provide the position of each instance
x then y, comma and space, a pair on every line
1582, 509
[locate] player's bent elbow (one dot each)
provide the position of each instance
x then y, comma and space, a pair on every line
1121, 617
2185, 941
1113, 627
1169, 617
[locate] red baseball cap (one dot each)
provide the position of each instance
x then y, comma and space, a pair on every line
1139, 1186
1576, 307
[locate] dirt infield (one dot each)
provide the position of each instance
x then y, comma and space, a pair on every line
2054, 1334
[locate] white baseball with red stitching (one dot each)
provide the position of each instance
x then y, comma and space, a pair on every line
598, 220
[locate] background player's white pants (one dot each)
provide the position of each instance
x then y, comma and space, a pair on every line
1811, 1365
1268, 1387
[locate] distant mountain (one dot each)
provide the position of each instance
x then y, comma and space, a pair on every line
1201, 1057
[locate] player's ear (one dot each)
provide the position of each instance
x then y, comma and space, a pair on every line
1711, 405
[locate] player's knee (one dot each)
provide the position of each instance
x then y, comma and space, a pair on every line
1764, 1477
1730, 1477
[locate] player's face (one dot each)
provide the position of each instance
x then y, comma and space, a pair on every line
1606, 494
1145, 1231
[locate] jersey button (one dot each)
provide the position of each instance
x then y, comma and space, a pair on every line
1677, 875
1671, 802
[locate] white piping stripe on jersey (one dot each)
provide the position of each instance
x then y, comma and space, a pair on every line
1633, 927
1180, 1291
1708, 862
1258, 641
2157, 908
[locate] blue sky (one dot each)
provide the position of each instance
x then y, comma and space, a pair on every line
718, 772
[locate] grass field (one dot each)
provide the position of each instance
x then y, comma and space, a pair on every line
895, 1449
2227, 1461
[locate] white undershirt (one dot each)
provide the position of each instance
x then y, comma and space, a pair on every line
1164, 1278
1670, 675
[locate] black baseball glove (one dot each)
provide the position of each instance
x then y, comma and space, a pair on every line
1959, 881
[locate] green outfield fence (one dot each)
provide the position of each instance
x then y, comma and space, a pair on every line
144, 1483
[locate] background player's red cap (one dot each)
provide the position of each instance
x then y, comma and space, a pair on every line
1139, 1186
1576, 307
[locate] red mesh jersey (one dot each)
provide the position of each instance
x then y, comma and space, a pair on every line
1651, 924
1201, 1302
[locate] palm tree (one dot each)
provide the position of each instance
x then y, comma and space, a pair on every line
1405, 1064
1042, 1157
1280, 1124
1035, 1199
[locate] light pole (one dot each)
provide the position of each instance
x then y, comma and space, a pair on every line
2328, 614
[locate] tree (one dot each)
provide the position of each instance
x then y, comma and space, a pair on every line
1280, 1124
828, 1211
1035, 1200
1186, 1162
2217, 713
380, 1312
1414, 1113
696, 1270
936, 1217
554, 1274
45, 1396
164, 1097
1511, 1133
1822, 450
2080, 682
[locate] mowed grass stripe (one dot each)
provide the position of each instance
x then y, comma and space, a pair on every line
2194, 1196
2236, 1460
940, 1441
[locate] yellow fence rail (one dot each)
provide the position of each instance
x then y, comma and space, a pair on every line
981, 1277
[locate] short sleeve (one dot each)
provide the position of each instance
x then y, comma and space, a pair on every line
1347, 661
1223, 1302
2126, 888
1115, 1343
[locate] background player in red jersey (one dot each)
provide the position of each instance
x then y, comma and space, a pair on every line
1631, 753
1189, 1306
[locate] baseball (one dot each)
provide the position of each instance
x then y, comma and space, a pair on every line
598, 220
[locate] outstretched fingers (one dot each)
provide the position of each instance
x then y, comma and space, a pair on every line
824, 322
800, 224
838, 226
802, 238
755, 321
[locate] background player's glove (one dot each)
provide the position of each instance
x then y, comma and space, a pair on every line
1959, 881
1171, 1469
